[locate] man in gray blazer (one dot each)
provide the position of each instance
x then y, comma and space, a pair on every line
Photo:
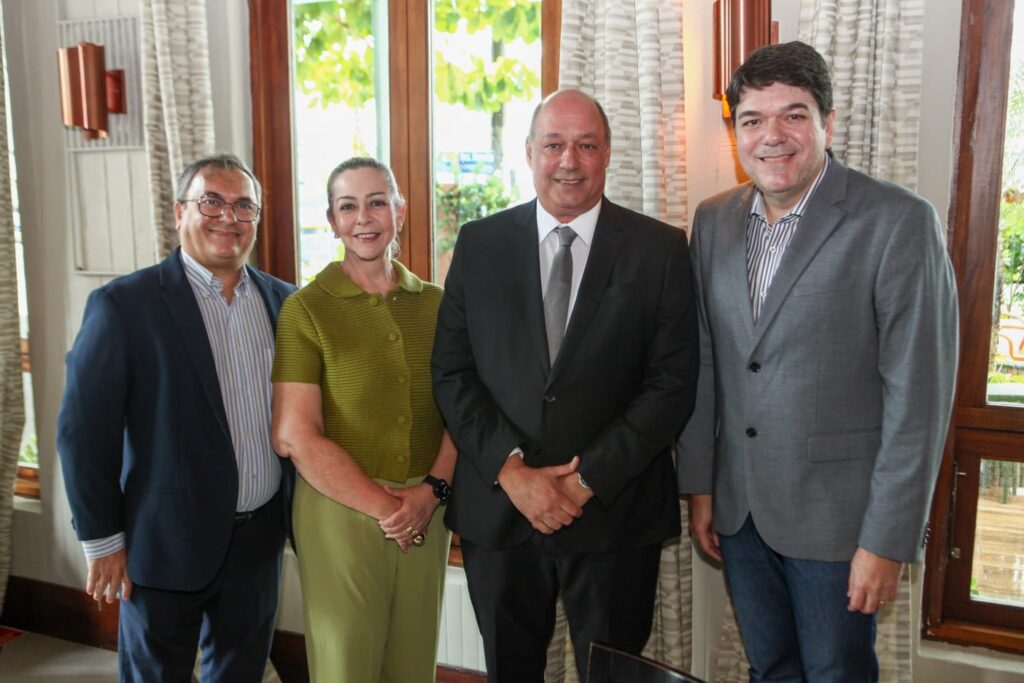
828, 324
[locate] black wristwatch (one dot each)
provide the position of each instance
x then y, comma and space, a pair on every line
442, 490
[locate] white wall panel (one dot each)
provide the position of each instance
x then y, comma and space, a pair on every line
96, 9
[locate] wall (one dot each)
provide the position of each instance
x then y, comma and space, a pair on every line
45, 547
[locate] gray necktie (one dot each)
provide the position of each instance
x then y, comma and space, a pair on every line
556, 300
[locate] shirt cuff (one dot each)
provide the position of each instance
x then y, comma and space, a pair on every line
101, 547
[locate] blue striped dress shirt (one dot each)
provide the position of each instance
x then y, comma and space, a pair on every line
767, 243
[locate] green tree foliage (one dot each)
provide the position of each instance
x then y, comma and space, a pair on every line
1011, 209
1011, 243
459, 203
334, 52
335, 48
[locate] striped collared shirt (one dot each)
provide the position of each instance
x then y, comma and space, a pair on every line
242, 341
767, 243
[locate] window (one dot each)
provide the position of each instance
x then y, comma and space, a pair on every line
974, 580
26, 481
406, 56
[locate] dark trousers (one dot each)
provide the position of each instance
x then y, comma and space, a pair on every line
608, 597
792, 615
232, 619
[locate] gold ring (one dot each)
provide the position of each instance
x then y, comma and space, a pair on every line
419, 539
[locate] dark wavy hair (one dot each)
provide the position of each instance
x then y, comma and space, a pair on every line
795, 63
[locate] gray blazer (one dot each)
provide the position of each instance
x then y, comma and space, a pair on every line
826, 418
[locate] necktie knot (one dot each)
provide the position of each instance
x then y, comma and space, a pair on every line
565, 235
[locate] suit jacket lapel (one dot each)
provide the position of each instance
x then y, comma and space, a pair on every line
181, 302
819, 221
524, 270
272, 299
603, 252
731, 235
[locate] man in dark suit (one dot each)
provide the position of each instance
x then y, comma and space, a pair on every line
828, 357
175, 491
564, 482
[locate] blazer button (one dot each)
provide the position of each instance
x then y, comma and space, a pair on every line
550, 398
751, 432
754, 367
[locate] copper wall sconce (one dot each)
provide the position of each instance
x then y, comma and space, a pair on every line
740, 27
88, 92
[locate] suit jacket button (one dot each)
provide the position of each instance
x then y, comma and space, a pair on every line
751, 432
550, 398
754, 367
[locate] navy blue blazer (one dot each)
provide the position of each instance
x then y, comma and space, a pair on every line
143, 435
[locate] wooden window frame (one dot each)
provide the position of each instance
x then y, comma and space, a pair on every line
411, 154
26, 477
978, 430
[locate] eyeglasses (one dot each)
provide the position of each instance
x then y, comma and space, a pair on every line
244, 210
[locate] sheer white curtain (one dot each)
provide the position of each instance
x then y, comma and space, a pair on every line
874, 50
12, 405
629, 55
178, 105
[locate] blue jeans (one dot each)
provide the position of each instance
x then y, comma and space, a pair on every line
792, 614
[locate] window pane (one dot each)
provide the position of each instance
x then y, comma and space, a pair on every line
1006, 365
487, 65
28, 451
997, 570
340, 109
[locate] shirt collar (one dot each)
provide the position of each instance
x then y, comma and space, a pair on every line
333, 280
583, 225
199, 276
757, 206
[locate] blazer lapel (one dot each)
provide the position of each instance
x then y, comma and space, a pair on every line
603, 252
820, 220
731, 239
524, 270
272, 299
181, 302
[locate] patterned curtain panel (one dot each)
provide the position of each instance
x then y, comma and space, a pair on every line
12, 406
629, 55
874, 48
178, 105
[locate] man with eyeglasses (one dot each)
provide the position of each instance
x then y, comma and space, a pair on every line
164, 437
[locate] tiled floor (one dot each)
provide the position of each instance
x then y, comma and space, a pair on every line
32, 658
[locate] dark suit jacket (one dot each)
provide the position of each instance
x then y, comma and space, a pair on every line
143, 436
621, 388
825, 419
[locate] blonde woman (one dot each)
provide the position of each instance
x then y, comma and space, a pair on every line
353, 409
